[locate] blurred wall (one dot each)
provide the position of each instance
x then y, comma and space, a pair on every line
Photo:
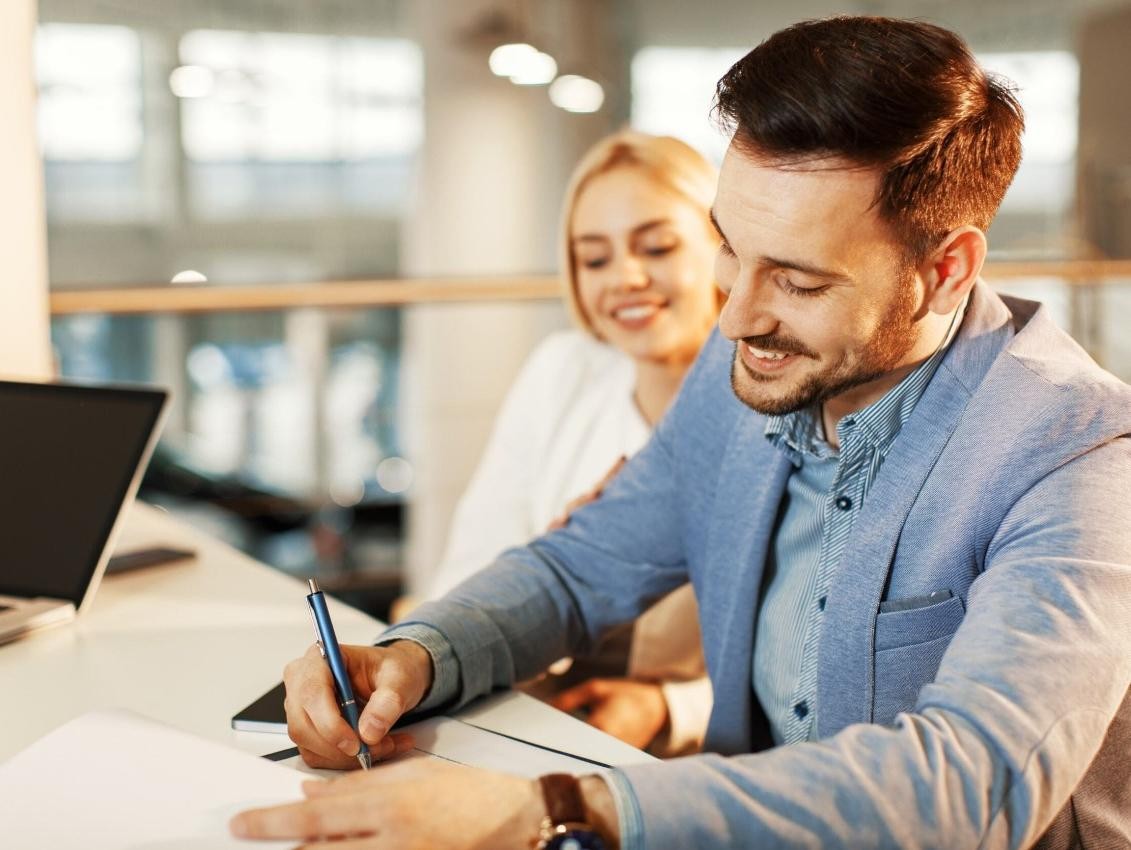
25, 348
1104, 155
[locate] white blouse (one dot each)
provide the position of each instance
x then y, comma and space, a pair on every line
568, 417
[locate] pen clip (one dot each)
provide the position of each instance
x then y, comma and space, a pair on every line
317, 634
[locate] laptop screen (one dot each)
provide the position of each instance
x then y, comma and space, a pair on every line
68, 455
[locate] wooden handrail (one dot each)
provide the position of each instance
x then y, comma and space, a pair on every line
174, 298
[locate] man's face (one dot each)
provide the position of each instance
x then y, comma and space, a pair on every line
821, 305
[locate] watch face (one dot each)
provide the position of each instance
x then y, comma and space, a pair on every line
576, 839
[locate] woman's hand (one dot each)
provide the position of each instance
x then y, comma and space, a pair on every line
634, 711
592, 496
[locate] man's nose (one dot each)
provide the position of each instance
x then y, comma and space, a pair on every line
746, 313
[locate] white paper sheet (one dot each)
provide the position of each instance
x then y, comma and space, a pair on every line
450, 739
114, 780
455, 741
519, 716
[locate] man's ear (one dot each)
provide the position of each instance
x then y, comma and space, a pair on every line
952, 268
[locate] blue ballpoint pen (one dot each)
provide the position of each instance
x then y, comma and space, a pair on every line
328, 645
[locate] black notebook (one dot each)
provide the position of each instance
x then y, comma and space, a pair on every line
266, 714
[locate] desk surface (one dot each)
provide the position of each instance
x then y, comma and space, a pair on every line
191, 643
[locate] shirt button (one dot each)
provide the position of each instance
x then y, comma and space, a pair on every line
801, 710
844, 503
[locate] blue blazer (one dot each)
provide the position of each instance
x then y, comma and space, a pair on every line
996, 718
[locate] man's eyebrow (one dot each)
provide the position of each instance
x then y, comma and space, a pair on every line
795, 265
805, 268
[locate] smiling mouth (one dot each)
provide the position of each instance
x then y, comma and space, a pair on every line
761, 361
766, 355
633, 315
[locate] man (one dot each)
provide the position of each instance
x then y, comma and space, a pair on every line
904, 504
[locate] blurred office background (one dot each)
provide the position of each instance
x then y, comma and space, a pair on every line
238, 157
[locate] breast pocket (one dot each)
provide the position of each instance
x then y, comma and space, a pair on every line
911, 637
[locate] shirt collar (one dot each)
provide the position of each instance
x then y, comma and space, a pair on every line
802, 433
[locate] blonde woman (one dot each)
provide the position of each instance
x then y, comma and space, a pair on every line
638, 253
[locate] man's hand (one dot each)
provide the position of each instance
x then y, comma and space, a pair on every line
414, 803
421, 804
633, 711
390, 679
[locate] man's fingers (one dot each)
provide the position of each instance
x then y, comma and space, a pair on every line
384, 708
359, 780
315, 694
313, 716
315, 818
335, 761
363, 843
302, 731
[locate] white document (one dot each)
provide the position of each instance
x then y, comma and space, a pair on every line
114, 780
452, 740
521, 716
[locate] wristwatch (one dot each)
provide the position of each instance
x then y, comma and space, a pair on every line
564, 827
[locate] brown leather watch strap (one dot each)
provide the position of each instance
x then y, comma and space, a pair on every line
562, 794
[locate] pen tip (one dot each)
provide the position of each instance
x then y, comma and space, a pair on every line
364, 760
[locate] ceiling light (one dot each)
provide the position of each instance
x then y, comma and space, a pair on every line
536, 70
508, 59
575, 93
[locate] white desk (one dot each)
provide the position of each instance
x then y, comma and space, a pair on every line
190, 644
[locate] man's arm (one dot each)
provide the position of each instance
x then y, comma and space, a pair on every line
556, 596
996, 744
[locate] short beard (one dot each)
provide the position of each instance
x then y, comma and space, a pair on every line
881, 354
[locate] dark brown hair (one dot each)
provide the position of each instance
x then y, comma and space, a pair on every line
902, 96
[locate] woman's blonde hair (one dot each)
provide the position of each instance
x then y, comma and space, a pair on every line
670, 162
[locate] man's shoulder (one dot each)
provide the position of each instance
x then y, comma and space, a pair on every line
1041, 399
1044, 369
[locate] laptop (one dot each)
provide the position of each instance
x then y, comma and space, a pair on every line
71, 460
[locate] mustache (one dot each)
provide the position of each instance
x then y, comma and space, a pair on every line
777, 344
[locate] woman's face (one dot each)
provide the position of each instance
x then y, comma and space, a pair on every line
645, 266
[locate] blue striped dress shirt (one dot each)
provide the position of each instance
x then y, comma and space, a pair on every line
824, 495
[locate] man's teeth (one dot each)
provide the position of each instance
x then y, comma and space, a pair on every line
640, 311
766, 355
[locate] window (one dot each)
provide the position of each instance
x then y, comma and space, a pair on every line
90, 121
673, 89
89, 92
285, 125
